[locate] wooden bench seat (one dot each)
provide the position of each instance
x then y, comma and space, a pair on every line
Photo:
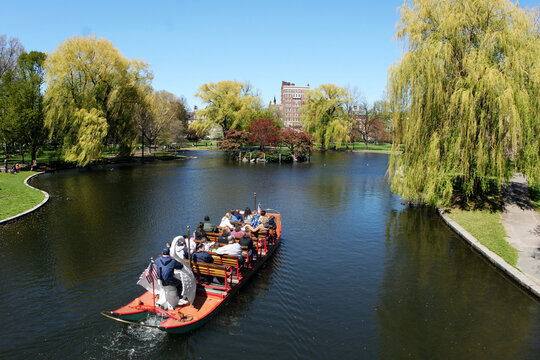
213, 270
229, 260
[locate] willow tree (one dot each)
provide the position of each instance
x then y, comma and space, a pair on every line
465, 98
91, 93
229, 104
324, 114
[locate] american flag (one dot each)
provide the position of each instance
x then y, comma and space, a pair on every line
150, 273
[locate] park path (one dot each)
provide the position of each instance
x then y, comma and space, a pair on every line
522, 224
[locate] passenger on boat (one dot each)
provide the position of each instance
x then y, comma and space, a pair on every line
237, 232
200, 234
232, 248
226, 221
248, 216
262, 223
236, 216
200, 255
165, 266
225, 236
272, 222
246, 240
208, 226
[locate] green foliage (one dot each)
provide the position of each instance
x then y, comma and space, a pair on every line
229, 104
324, 114
91, 93
465, 97
160, 115
534, 194
274, 156
21, 100
486, 227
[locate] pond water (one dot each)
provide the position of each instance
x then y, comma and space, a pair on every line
358, 275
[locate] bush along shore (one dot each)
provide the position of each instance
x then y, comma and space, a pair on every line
266, 156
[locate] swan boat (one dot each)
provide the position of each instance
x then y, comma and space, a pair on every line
200, 299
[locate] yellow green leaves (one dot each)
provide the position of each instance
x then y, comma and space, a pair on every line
471, 77
91, 90
91, 130
229, 104
324, 114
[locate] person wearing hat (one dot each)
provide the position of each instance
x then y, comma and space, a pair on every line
165, 266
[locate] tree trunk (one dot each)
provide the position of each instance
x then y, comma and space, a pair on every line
142, 153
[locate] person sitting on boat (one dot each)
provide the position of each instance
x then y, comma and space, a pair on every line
200, 255
236, 216
246, 240
232, 248
272, 222
200, 234
208, 226
165, 266
225, 236
262, 223
248, 216
226, 222
237, 232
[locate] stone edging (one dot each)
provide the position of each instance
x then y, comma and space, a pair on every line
35, 207
520, 278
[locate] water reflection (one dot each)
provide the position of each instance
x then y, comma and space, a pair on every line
358, 275
437, 300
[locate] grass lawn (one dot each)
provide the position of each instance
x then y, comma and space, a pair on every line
15, 197
487, 228
372, 147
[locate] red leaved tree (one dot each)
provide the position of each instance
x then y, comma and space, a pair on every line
263, 131
234, 140
300, 143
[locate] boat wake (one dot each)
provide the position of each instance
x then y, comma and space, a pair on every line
134, 342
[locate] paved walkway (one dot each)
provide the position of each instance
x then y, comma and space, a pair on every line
522, 224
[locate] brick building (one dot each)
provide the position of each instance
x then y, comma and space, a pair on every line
292, 98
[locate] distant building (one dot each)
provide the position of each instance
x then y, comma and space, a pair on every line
276, 109
292, 98
359, 115
191, 116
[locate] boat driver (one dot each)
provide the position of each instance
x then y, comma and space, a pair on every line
165, 266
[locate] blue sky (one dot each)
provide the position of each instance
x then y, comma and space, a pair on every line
189, 43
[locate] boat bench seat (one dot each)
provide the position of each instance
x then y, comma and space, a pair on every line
229, 260
212, 270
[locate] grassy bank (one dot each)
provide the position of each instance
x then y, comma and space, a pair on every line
15, 197
487, 228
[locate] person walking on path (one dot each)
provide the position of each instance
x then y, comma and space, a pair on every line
522, 224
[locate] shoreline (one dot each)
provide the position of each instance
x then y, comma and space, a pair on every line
521, 279
31, 210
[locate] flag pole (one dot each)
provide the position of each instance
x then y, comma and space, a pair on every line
188, 247
255, 201
153, 282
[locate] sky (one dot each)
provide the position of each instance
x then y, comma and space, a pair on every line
189, 43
